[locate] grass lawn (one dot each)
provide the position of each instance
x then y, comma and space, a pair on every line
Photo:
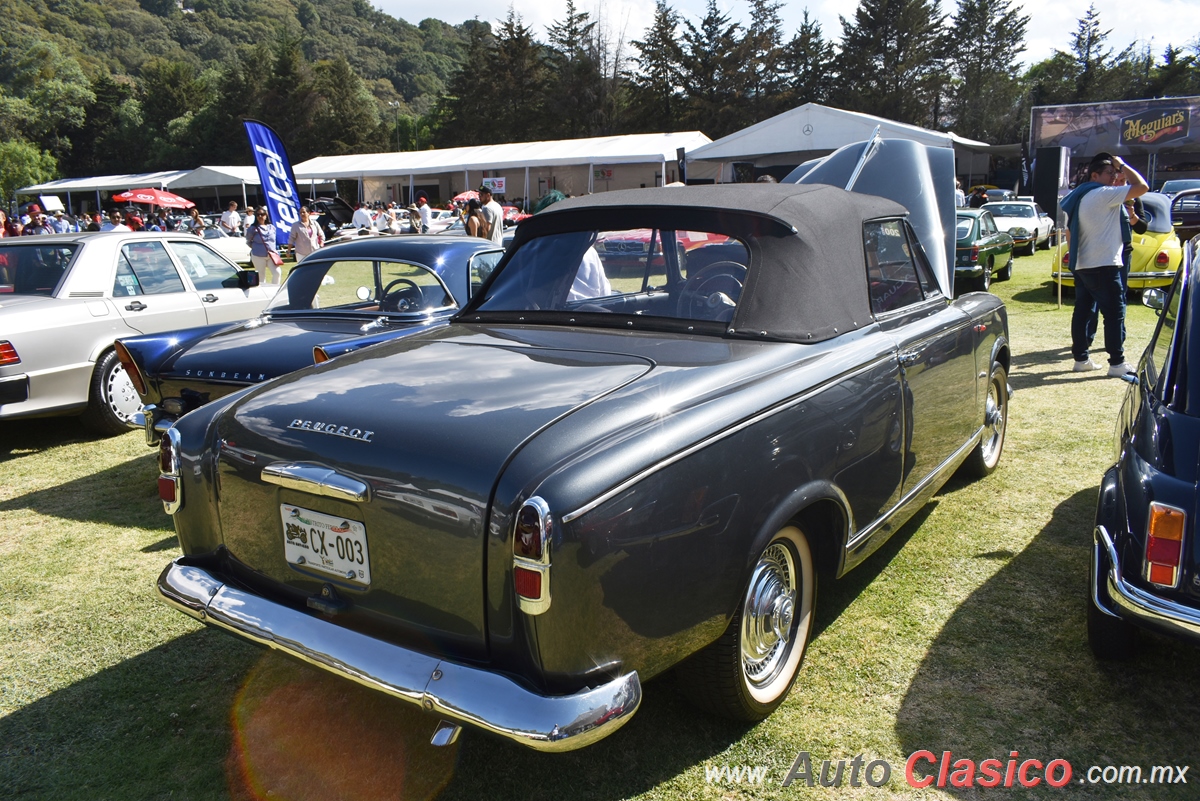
964, 634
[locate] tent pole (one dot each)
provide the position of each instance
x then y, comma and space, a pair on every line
69, 203
591, 178
410, 189
245, 203
525, 201
98, 207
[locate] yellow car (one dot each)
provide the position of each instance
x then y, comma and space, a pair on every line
1156, 253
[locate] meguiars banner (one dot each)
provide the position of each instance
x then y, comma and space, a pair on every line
1128, 127
278, 181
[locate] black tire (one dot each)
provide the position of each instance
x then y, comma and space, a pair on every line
1006, 273
1110, 638
748, 672
984, 282
112, 400
986, 456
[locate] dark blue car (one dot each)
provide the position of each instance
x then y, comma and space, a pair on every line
1145, 564
341, 298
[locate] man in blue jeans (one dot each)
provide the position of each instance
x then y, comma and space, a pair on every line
1094, 212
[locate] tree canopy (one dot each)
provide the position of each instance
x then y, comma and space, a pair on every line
113, 86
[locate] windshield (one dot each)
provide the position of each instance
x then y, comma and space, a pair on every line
33, 269
651, 273
1011, 210
362, 286
1178, 185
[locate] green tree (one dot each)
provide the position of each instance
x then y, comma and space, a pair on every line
656, 96
346, 118
984, 100
711, 74
892, 60
170, 89
56, 91
23, 164
810, 61
519, 79
461, 116
763, 57
574, 79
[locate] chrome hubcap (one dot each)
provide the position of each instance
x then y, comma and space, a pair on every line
123, 399
768, 615
993, 419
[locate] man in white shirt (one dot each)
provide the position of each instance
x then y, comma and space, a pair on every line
362, 217
493, 214
115, 222
231, 221
423, 211
1094, 210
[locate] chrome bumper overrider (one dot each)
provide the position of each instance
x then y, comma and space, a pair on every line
154, 421
459, 693
1133, 602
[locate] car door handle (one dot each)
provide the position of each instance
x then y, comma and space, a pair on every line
209, 298
137, 305
909, 357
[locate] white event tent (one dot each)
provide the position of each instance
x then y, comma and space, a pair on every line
812, 130
527, 169
227, 183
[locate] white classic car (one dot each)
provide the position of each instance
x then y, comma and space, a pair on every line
233, 248
65, 299
1025, 222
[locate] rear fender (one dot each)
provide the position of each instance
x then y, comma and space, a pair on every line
821, 510
155, 353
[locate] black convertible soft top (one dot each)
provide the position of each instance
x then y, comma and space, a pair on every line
807, 280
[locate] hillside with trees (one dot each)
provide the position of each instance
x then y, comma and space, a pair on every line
114, 86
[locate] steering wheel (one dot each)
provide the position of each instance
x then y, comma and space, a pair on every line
707, 295
400, 302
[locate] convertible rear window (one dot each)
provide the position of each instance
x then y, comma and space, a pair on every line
648, 272
1011, 210
33, 270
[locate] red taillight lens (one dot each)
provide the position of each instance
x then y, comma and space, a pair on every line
529, 583
1162, 259
1066, 260
1164, 544
166, 456
975, 253
168, 489
8, 354
527, 540
131, 368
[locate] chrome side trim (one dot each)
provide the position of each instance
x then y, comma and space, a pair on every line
722, 434
315, 480
949, 465
1140, 606
458, 693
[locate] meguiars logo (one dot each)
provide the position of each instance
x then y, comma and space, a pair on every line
1153, 127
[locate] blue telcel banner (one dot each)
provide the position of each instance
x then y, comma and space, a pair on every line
278, 180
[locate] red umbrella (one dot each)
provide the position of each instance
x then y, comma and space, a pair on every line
154, 197
463, 197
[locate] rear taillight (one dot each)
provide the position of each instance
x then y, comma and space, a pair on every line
1164, 545
975, 253
1066, 260
131, 368
531, 556
169, 488
8, 354
1162, 259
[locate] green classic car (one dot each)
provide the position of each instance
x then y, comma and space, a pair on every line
982, 252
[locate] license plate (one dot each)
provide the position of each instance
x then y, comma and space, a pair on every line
329, 544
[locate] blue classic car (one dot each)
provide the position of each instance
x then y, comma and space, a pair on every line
340, 299
600, 471
1145, 563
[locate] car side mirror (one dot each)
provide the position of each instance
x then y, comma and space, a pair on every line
1155, 299
247, 279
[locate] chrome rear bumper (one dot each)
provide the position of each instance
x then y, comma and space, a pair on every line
1133, 603
459, 693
